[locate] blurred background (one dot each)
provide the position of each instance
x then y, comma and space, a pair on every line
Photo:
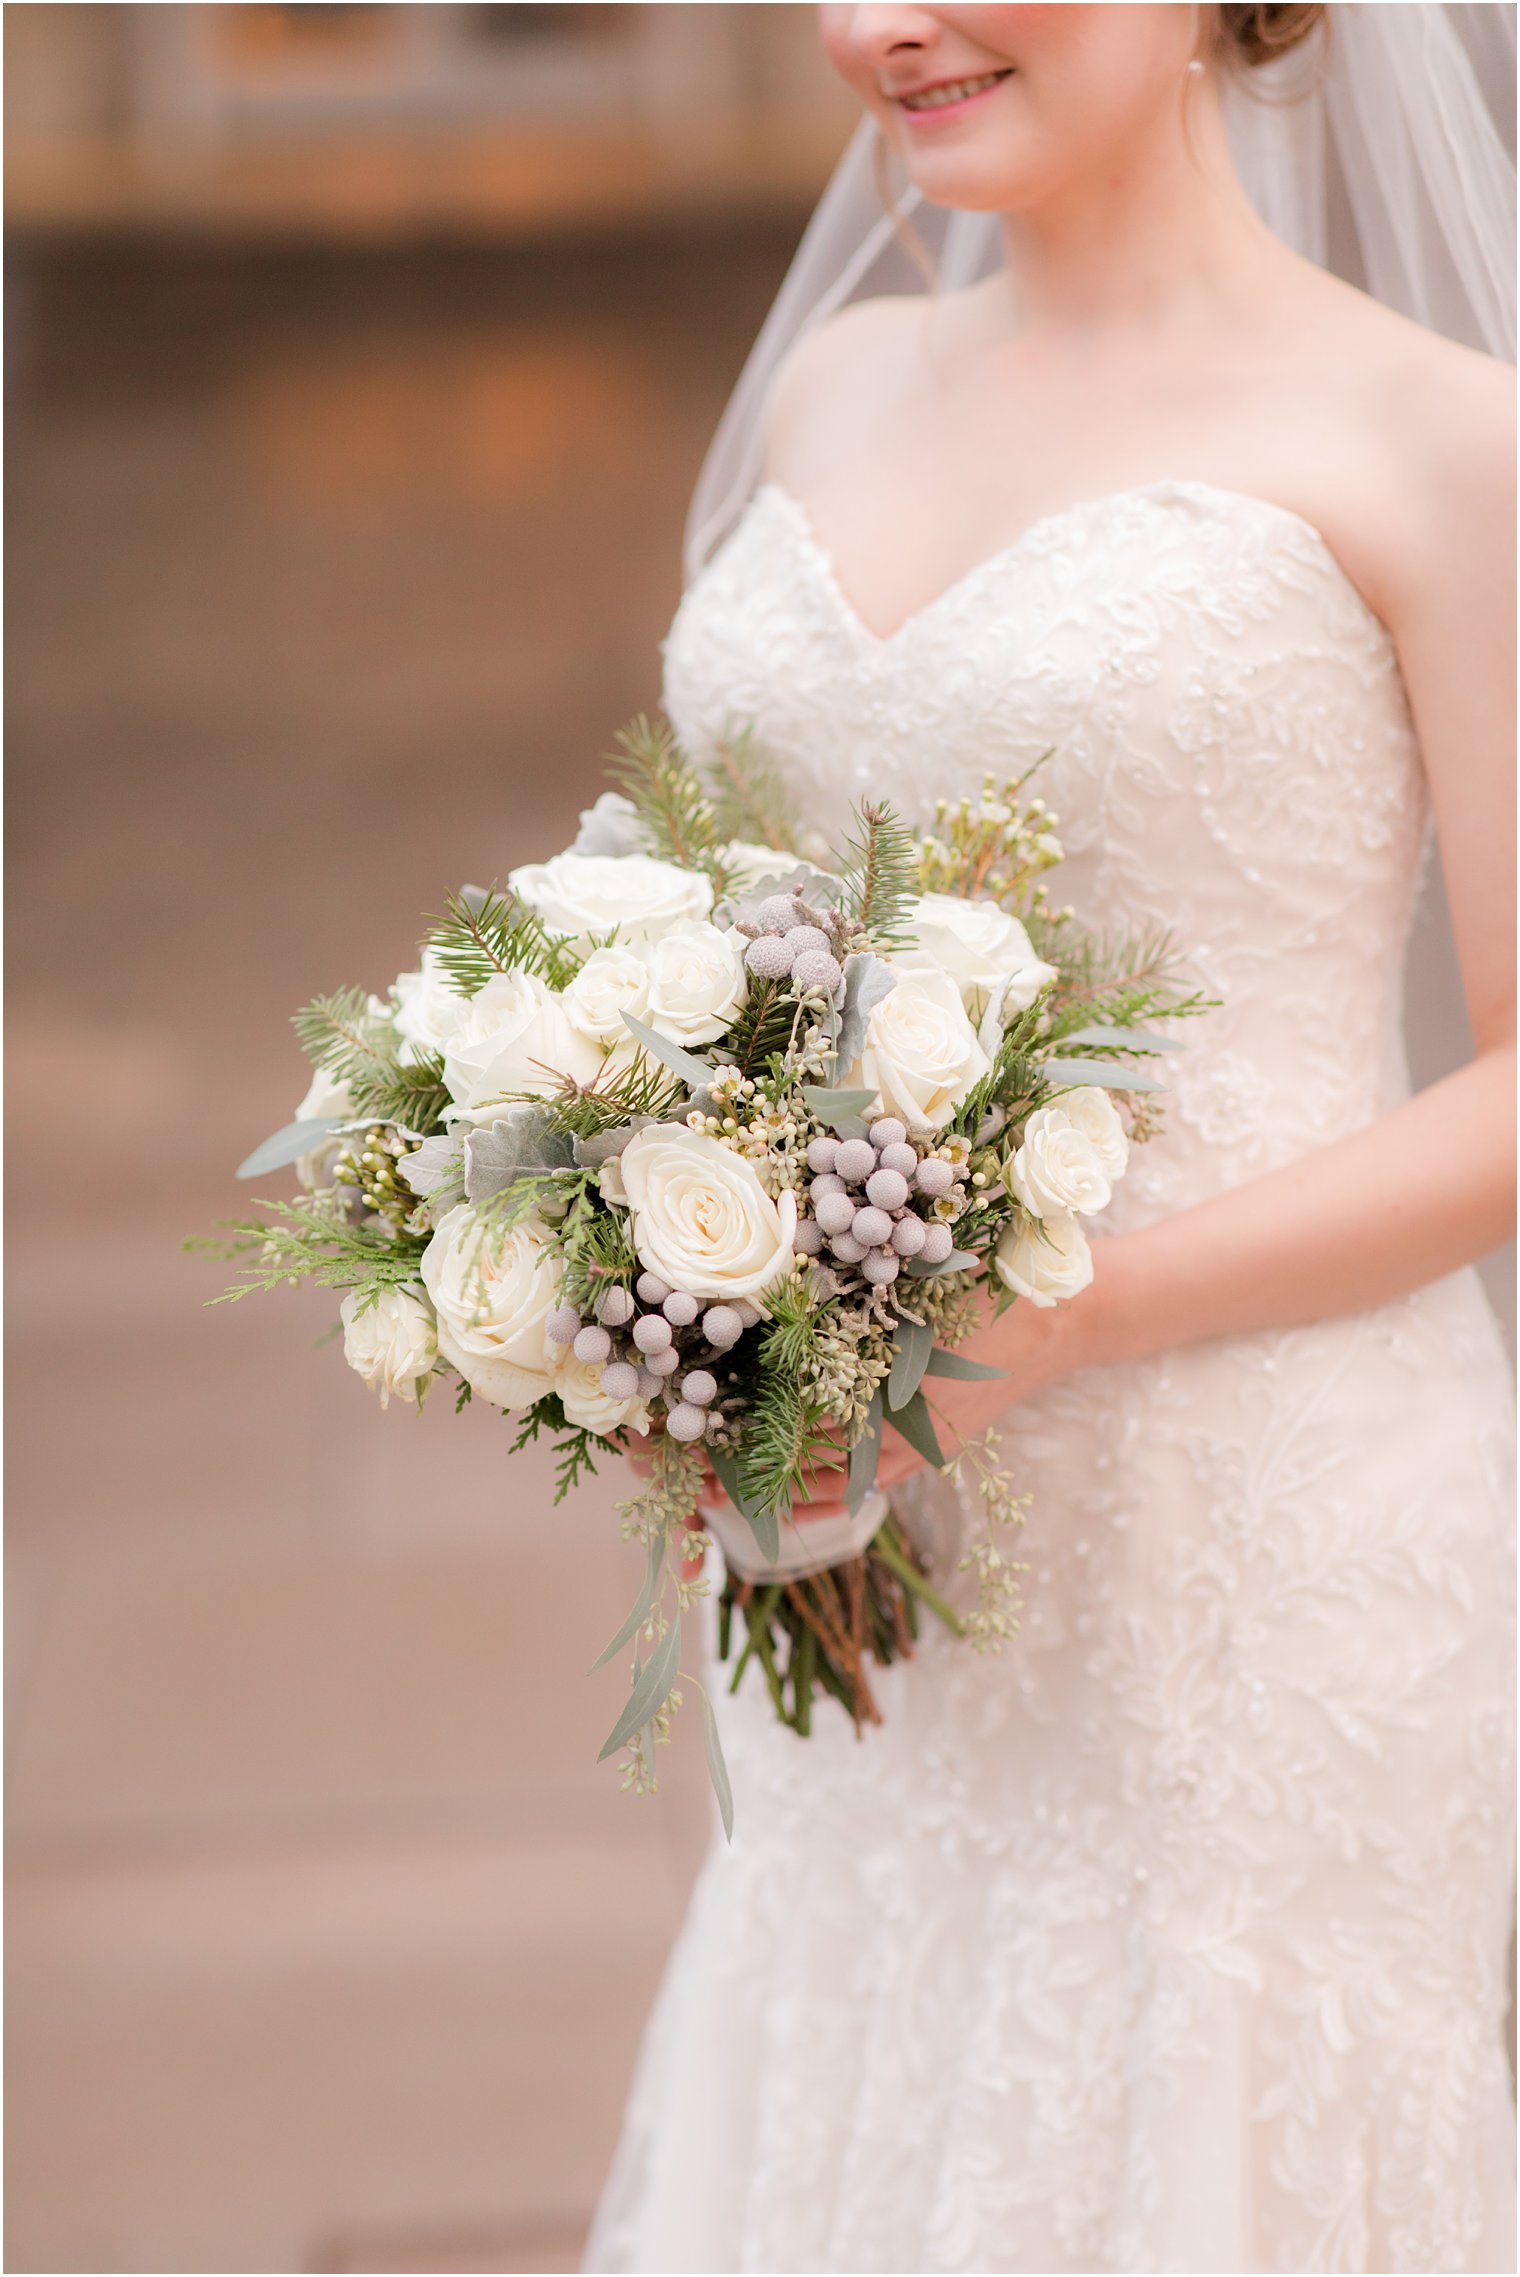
360, 361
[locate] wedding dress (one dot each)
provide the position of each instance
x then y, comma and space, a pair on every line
1173, 1937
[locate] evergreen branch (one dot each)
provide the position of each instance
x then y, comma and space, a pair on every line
352, 1044
763, 1027
485, 935
749, 798
1126, 977
675, 814
880, 866
299, 1241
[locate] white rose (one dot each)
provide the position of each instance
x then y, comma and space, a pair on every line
748, 864
632, 895
696, 982
392, 1343
1099, 1121
428, 1009
609, 983
588, 1407
986, 952
1044, 1260
1057, 1168
513, 1037
921, 1055
493, 1292
701, 1218
609, 826
323, 1097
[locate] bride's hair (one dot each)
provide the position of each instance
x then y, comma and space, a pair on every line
1253, 35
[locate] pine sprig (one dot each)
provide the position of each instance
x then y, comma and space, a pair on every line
353, 1045
485, 935
644, 1086
1121, 979
749, 798
880, 866
762, 1029
675, 813
781, 1427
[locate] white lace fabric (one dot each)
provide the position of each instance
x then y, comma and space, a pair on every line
1172, 1938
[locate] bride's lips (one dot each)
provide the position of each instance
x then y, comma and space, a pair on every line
944, 99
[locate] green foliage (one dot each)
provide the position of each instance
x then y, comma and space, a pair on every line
1013, 1081
780, 1430
880, 867
675, 813
594, 1243
618, 1094
342, 1036
575, 1450
481, 937
749, 798
763, 1028
302, 1241
1120, 978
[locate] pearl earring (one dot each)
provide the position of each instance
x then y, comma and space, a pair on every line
1196, 66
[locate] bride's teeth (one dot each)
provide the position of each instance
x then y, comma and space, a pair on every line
953, 91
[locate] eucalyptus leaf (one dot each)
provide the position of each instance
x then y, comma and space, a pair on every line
765, 1525
641, 1609
1120, 1039
520, 1145
958, 1261
968, 1371
1068, 1072
290, 1144
917, 1427
867, 980
692, 1071
717, 1769
651, 1689
864, 1457
832, 1107
914, 1344
437, 1163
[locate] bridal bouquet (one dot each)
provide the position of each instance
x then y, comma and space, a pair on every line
702, 1140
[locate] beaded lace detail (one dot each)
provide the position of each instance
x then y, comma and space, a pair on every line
1173, 1937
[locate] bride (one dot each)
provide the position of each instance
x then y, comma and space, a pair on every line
1173, 1938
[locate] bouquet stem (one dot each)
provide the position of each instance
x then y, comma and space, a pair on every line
822, 1630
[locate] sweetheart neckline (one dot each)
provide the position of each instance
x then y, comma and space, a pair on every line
1043, 524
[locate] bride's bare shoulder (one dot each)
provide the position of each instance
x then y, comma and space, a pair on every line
836, 371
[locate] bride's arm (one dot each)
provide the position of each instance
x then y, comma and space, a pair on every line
1429, 1187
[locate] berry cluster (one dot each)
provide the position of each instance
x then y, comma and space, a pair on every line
650, 1352
864, 1194
793, 942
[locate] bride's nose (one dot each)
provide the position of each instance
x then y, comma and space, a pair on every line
878, 35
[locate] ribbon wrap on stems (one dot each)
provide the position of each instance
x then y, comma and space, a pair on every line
805, 1549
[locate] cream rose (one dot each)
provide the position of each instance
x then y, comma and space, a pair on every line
428, 1009
748, 864
1045, 1260
493, 1292
392, 1343
631, 895
921, 1055
701, 1218
696, 982
609, 983
1098, 1119
986, 952
323, 1097
1057, 1168
588, 1407
513, 1038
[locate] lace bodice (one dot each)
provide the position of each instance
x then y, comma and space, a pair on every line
1173, 1937
1232, 759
